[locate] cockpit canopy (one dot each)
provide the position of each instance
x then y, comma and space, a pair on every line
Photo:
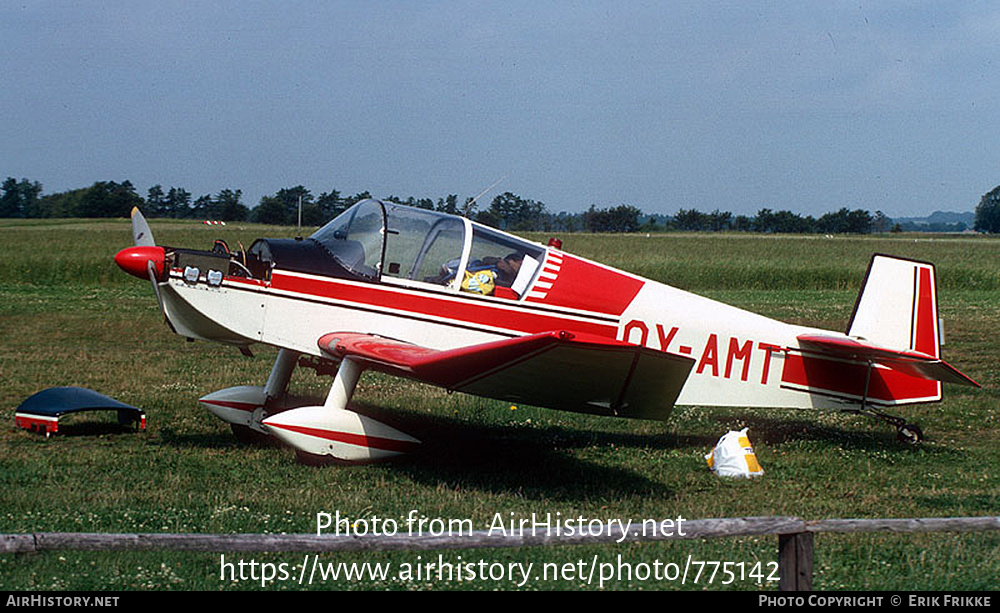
354, 238
383, 241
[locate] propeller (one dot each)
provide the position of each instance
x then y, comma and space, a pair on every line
145, 259
142, 236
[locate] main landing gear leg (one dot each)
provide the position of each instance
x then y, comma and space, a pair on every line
281, 374
905, 432
244, 407
343, 385
332, 432
274, 393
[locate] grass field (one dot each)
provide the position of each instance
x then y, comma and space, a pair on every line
69, 317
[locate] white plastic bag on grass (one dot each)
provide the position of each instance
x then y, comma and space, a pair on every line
733, 456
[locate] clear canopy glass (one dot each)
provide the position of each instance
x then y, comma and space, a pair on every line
387, 240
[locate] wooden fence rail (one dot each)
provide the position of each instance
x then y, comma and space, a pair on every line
795, 539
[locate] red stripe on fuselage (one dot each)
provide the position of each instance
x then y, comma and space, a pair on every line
246, 281
591, 287
464, 309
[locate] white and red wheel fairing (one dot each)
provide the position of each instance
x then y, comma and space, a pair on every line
340, 433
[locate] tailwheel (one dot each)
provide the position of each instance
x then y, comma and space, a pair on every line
905, 432
909, 433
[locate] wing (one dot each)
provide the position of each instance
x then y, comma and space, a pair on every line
913, 363
558, 370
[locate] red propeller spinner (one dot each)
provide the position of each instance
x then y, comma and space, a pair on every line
133, 260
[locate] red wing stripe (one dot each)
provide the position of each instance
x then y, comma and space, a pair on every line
371, 442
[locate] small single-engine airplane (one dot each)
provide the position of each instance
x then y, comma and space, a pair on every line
447, 301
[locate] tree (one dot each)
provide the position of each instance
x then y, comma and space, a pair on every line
448, 205
312, 215
742, 223
622, 218
10, 202
691, 220
20, 198
109, 199
469, 209
156, 202
511, 212
356, 198
718, 221
764, 221
283, 207
63, 204
988, 212
330, 205
880, 223
568, 222
202, 207
785, 222
178, 203
788, 222
859, 221
227, 206
269, 211
593, 219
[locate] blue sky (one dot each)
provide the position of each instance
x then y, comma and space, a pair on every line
806, 106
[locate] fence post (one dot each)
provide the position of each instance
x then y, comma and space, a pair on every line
795, 561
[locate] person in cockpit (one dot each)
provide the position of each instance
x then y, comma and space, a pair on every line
484, 275
507, 269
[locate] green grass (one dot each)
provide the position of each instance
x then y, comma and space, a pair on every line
69, 317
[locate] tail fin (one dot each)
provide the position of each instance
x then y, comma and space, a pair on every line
892, 354
897, 306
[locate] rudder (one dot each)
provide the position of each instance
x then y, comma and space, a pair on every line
897, 306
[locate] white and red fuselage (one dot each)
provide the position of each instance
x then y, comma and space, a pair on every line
396, 273
741, 359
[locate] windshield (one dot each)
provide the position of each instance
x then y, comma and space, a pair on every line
354, 238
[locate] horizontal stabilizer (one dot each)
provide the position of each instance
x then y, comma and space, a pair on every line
913, 363
559, 370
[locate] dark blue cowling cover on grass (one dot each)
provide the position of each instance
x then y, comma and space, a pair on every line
58, 401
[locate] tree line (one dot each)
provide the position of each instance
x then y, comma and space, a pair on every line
508, 211
988, 212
